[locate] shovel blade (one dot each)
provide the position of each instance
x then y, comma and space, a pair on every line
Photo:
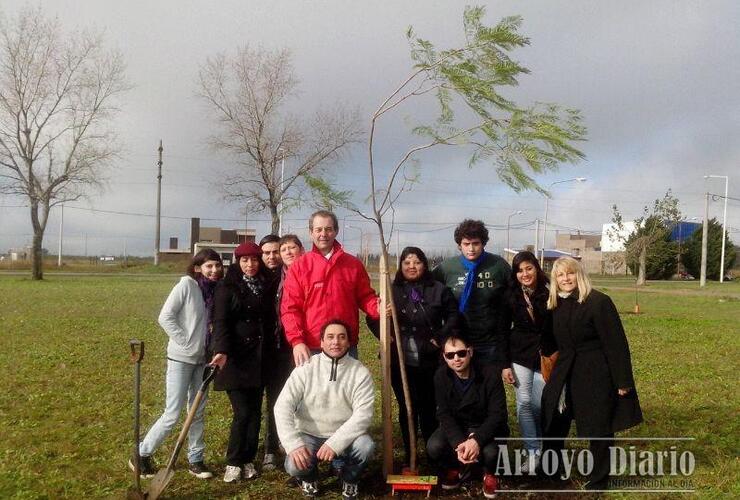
159, 483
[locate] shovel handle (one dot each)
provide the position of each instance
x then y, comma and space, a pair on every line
137, 350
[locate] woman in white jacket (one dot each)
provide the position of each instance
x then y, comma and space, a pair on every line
186, 318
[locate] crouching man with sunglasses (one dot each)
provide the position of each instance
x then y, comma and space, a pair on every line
471, 409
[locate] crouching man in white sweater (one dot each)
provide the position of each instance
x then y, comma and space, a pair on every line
324, 411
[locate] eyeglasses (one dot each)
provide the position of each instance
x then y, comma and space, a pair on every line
462, 353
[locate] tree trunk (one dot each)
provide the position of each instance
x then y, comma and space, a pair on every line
37, 263
275, 215
642, 266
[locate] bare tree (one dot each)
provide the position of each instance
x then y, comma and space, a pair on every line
247, 94
56, 105
516, 141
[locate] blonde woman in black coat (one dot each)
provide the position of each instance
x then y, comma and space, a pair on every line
592, 380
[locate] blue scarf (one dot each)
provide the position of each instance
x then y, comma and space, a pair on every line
471, 266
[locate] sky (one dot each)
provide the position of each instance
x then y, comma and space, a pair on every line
656, 83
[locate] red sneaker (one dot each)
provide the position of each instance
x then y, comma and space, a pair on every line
490, 485
451, 479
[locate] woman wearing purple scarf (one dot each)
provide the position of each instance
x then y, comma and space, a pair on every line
427, 314
186, 319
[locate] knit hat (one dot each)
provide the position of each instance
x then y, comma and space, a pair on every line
247, 248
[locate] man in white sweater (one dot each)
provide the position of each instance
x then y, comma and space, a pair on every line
324, 412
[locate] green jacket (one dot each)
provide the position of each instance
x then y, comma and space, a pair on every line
487, 318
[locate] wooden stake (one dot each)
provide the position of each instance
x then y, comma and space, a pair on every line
385, 367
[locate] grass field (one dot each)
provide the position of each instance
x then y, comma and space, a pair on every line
66, 401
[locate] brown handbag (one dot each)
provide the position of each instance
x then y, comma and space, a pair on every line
547, 363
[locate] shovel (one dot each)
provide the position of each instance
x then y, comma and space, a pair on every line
137, 354
164, 476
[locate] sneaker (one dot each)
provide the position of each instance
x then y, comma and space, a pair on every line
531, 463
249, 471
233, 473
309, 488
451, 480
199, 470
490, 485
268, 463
147, 470
349, 491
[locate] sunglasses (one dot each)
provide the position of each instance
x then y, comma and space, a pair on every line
462, 353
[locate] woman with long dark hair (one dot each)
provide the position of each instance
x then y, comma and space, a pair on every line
528, 293
186, 319
243, 306
592, 381
427, 314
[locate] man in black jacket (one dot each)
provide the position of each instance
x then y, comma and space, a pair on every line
471, 409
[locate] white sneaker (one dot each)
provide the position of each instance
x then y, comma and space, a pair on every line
233, 473
530, 465
249, 471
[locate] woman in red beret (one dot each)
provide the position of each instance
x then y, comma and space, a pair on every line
241, 307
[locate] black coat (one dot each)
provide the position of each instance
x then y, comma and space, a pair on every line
525, 340
240, 321
433, 319
482, 407
594, 362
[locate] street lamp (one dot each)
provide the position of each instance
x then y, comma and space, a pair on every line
547, 206
724, 225
508, 226
282, 180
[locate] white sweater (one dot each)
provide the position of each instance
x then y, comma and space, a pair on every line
183, 318
340, 410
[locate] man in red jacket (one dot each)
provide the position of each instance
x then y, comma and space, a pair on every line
325, 283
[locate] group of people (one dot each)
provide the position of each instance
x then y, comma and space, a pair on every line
285, 324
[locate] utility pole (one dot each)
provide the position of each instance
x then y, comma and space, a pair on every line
537, 239
724, 224
61, 233
704, 238
159, 204
125, 254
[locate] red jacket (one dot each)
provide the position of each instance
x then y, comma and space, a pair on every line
317, 290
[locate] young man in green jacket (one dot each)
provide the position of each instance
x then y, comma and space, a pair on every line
478, 281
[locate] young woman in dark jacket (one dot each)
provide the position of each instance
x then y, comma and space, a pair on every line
592, 380
527, 296
427, 314
242, 308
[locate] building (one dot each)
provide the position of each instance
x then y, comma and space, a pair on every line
223, 241
586, 247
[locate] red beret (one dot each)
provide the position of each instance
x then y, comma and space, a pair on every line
247, 248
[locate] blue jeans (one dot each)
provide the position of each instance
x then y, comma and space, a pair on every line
182, 381
529, 385
355, 458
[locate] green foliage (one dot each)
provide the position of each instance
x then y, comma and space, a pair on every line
661, 258
324, 196
651, 229
519, 141
692, 257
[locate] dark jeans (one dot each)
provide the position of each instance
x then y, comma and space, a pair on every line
559, 427
443, 456
246, 405
421, 387
275, 378
489, 355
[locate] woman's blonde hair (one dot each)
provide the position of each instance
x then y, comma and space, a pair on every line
566, 264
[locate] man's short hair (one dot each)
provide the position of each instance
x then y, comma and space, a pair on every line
335, 322
471, 230
270, 238
455, 337
323, 213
